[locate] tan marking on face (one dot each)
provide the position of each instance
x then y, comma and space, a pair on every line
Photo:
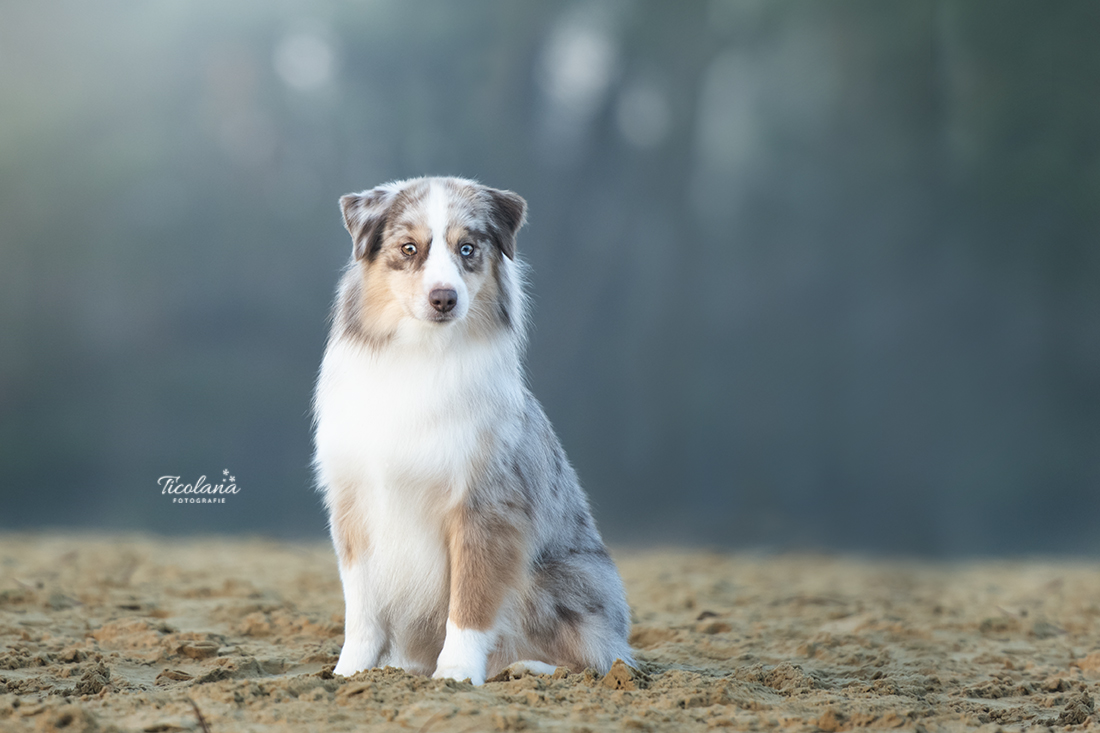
456, 233
397, 236
486, 552
380, 313
348, 528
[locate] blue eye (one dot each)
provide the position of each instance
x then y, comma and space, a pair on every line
466, 250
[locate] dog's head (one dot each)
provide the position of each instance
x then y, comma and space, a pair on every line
434, 251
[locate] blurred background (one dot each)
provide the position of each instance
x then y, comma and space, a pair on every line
806, 275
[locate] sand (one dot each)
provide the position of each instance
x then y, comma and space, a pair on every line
148, 634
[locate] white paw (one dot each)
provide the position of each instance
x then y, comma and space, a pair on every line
354, 658
464, 655
346, 668
529, 666
461, 672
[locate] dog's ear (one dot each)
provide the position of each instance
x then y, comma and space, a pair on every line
508, 212
365, 219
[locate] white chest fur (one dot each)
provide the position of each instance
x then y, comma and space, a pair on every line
400, 434
411, 420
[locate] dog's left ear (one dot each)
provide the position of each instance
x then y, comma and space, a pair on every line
508, 213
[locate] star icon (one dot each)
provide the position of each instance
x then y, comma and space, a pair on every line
225, 472
232, 479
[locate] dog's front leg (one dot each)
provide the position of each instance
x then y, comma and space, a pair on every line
485, 546
363, 635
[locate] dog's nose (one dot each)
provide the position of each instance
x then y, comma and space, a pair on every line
443, 299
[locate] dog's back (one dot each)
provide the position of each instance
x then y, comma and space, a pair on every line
464, 539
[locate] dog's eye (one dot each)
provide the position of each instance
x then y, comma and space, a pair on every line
466, 250
409, 249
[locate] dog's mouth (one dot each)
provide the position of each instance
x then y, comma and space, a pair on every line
441, 317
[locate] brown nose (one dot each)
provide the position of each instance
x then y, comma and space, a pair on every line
443, 299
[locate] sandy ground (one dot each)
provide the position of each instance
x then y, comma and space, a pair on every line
101, 634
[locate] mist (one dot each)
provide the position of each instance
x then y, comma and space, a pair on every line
804, 275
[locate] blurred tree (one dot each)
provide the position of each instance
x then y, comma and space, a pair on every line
804, 274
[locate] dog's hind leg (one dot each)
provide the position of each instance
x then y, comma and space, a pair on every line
575, 614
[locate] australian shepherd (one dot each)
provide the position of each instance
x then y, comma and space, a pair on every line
465, 542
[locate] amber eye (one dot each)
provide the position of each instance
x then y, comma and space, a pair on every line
466, 250
409, 248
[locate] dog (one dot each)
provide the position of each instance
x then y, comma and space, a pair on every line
464, 540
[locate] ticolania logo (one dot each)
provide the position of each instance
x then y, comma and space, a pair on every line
200, 492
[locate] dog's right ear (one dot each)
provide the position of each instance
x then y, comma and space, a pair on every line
365, 219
